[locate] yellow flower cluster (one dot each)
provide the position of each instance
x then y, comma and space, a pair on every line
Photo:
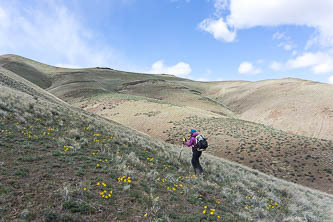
67, 148
97, 135
175, 187
248, 197
105, 160
50, 129
7, 132
210, 211
247, 207
101, 184
166, 166
124, 179
105, 193
28, 134
272, 205
159, 179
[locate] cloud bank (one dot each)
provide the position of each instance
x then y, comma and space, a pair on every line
245, 14
180, 69
248, 68
49, 32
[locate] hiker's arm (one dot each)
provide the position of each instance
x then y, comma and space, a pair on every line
188, 143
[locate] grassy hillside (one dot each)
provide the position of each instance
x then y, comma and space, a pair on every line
283, 104
165, 107
302, 160
59, 163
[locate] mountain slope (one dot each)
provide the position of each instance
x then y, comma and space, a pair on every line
59, 163
166, 107
283, 104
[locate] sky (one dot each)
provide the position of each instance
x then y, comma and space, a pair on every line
203, 40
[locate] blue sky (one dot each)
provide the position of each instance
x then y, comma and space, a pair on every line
204, 40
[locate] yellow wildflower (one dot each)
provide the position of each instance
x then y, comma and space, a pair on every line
205, 207
212, 213
98, 183
145, 215
85, 188
204, 211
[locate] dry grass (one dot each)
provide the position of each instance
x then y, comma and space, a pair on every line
61, 164
302, 160
283, 104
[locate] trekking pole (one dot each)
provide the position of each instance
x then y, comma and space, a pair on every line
181, 150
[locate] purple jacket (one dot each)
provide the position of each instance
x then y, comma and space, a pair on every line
192, 141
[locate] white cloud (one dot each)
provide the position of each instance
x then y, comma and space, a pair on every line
330, 79
285, 43
202, 79
248, 68
218, 28
244, 14
275, 65
319, 62
50, 32
68, 66
180, 69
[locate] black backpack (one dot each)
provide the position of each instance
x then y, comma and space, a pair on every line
202, 143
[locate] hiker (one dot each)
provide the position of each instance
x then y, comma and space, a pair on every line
196, 153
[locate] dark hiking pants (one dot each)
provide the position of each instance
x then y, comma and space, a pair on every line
195, 160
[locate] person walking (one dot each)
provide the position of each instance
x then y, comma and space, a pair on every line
195, 152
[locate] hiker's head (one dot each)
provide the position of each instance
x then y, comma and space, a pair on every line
192, 131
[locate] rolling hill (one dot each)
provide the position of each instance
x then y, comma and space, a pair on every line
65, 156
283, 104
